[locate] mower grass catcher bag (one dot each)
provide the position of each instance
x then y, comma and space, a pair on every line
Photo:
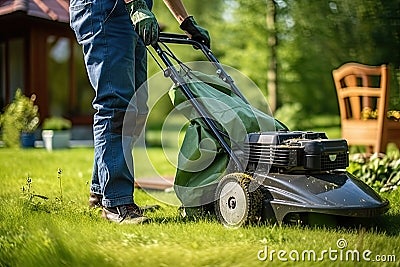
202, 160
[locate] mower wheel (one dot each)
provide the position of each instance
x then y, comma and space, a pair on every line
235, 205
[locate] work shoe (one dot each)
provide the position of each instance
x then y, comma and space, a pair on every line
95, 200
127, 214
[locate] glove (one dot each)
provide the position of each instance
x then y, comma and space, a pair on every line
195, 32
144, 21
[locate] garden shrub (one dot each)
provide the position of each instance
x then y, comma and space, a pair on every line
20, 116
291, 114
382, 172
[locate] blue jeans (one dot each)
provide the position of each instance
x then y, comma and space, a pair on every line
116, 63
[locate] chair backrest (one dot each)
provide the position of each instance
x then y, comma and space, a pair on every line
361, 86
363, 90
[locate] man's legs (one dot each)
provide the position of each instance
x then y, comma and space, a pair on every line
109, 42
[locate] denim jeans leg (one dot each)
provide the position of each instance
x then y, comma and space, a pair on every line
95, 184
109, 44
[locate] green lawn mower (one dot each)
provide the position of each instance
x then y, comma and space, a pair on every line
244, 165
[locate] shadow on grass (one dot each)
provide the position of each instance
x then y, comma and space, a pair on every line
386, 224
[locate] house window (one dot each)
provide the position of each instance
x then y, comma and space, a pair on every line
12, 69
16, 56
70, 93
82, 104
58, 74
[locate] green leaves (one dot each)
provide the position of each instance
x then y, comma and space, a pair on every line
56, 124
381, 172
21, 115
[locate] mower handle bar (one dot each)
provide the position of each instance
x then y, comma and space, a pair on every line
173, 73
174, 38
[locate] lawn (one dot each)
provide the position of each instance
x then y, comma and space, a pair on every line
63, 231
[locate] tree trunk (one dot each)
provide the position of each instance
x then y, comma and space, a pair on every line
272, 66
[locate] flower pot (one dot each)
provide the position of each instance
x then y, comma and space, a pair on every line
27, 140
56, 139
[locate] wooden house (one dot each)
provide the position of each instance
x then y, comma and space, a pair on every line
39, 54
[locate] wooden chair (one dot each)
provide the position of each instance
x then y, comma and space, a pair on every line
358, 87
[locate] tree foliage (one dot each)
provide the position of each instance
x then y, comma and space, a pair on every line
314, 37
326, 34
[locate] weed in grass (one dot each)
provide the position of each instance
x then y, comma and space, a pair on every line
34, 202
28, 193
59, 172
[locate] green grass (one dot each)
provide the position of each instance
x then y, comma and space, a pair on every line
67, 233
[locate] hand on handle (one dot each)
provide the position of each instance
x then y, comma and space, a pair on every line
195, 32
144, 21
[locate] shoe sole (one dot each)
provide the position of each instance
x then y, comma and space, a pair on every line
136, 220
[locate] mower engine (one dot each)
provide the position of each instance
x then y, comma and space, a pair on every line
294, 177
295, 151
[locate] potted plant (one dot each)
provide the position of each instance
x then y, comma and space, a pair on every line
56, 133
20, 120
